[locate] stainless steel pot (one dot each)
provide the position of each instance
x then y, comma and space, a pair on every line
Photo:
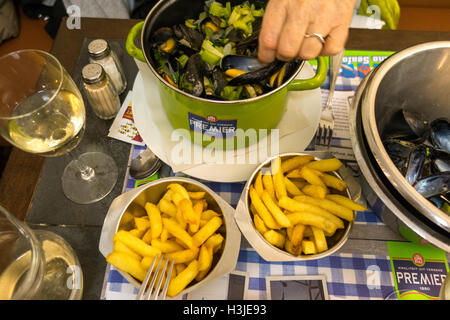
416, 79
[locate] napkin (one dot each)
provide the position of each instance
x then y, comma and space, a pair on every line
123, 127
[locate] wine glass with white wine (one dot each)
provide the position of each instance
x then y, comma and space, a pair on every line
42, 112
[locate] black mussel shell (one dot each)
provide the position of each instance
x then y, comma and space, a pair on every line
258, 75
440, 134
161, 35
240, 62
433, 185
397, 148
188, 37
416, 162
191, 79
219, 81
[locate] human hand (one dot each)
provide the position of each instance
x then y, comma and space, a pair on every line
286, 22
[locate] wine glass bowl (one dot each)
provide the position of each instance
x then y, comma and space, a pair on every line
41, 108
42, 112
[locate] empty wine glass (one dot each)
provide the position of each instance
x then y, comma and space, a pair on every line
42, 112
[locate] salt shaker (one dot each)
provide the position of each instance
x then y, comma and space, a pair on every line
100, 92
100, 52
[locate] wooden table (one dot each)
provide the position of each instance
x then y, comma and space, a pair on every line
26, 189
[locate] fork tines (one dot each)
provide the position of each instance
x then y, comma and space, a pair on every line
153, 275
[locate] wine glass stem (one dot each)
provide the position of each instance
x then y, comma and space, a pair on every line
86, 172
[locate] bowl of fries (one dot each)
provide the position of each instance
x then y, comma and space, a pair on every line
298, 206
176, 218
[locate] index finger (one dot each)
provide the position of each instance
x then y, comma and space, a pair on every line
273, 20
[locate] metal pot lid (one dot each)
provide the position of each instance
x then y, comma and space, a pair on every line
374, 140
367, 165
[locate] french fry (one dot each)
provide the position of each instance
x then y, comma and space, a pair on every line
288, 247
333, 182
167, 246
155, 219
300, 183
178, 232
147, 237
182, 279
119, 246
142, 223
312, 219
275, 238
330, 206
178, 188
179, 267
198, 209
308, 247
208, 214
295, 162
308, 232
297, 237
126, 263
319, 239
206, 231
136, 244
268, 184
205, 258
309, 204
325, 165
315, 191
259, 184
183, 256
188, 212
259, 224
177, 197
292, 188
294, 174
276, 212
215, 242
167, 195
137, 233
311, 177
263, 212
278, 178
197, 195
167, 207
346, 202
164, 234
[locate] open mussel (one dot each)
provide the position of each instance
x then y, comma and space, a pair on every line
163, 40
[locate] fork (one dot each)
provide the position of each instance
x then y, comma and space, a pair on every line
324, 132
147, 290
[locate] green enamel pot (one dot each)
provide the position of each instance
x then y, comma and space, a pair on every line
204, 120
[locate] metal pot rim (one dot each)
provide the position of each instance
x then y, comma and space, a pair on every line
155, 8
377, 149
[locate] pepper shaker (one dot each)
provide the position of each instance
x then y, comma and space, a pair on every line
100, 92
100, 52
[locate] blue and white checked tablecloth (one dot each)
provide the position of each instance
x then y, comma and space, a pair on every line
348, 276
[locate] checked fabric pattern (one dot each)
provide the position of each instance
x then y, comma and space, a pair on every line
348, 276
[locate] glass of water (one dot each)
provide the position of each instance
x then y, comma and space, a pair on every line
36, 264
42, 112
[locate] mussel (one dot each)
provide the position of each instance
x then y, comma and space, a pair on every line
420, 150
440, 134
215, 55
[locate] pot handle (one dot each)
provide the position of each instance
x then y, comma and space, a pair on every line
130, 45
314, 82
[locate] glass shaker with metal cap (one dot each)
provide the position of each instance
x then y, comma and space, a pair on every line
100, 92
100, 52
